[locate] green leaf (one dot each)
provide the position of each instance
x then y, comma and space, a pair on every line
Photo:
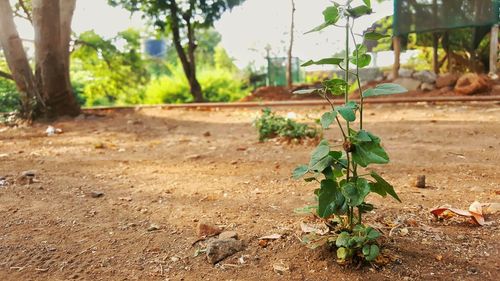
384, 89
342, 253
367, 3
365, 207
331, 16
330, 199
327, 119
305, 91
372, 234
362, 60
336, 86
348, 111
359, 11
382, 187
360, 57
342, 239
300, 171
355, 192
333, 61
322, 164
369, 152
366, 250
361, 136
320, 152
370, 252
375, 36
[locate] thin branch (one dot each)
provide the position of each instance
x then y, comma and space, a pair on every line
84, 43
6, 75
26, 11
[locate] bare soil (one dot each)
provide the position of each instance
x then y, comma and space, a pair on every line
161, 169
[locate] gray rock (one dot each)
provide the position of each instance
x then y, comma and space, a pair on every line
427, 86
425, 76
219, 249
405, 72
409, 83
228, 235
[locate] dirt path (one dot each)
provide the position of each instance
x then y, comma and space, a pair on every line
158, 168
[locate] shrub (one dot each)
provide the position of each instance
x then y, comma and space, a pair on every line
271, 125
218, 85
9, 97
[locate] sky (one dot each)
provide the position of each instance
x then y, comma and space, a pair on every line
246, 30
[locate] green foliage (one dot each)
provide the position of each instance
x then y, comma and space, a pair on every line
9, 97
343, 187
271, 125
109, 75
219, 85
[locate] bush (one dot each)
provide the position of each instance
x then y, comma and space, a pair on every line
270, 126
218, 85
9, 97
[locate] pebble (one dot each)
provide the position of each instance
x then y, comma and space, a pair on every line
228, 235
96, 194
207, 230
420, 182
219, 249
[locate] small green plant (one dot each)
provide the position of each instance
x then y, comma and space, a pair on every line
271, 126
343, 175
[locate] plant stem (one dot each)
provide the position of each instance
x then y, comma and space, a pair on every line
361, 99
336, 117
347, 88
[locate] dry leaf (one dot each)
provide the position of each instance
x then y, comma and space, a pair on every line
475, 212
319, 229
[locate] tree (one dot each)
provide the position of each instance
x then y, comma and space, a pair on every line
182, 18
47, 90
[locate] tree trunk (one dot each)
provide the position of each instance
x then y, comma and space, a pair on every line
51, 59
289, 73
17, 60
188, 61
67, 8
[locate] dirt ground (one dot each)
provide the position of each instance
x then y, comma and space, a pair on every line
159, 170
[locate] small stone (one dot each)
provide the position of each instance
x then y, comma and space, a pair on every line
99, 145
228, 235
404, 231
439, 257
207, 134
193, 157
420, 182
425, 76
263, 243
234, 162
96, 194
405, 72
207, 230
427, 87
219, 249
153, 227
281, 268
175, 259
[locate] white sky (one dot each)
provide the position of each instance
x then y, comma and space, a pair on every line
246, 31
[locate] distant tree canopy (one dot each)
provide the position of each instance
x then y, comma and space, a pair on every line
182, 18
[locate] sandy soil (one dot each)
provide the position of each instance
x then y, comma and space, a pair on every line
162, 168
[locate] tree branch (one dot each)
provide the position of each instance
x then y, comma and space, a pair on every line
27, 14
6, 75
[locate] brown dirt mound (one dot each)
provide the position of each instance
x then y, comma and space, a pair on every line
278, 93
